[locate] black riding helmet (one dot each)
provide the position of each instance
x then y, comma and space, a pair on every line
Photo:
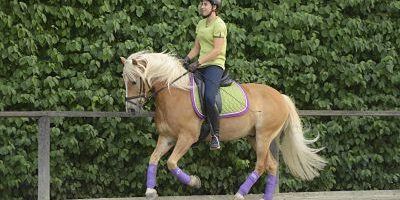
217, 3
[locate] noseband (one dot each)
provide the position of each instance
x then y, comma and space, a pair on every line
142, 94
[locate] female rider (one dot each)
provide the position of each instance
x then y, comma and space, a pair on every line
210, 43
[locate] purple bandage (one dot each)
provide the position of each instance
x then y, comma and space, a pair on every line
270, 187
181, 176
246, 186
151, 176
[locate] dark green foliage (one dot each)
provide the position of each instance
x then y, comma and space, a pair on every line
64, 55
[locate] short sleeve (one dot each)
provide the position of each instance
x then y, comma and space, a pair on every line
220, 30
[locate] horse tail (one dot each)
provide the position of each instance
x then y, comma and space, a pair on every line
302, 161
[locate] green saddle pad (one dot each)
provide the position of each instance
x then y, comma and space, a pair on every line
234, 100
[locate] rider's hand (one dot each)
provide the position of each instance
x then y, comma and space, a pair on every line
192, 67
185, 61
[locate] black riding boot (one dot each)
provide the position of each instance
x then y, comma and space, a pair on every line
213, 120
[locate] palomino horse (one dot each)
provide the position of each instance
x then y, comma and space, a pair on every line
270, 113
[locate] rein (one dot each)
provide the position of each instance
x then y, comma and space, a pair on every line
142, 92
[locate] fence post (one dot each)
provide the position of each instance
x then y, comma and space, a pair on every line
44, 159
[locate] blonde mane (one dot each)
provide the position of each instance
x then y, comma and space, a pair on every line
157, 67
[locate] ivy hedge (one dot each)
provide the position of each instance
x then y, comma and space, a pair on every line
64, 55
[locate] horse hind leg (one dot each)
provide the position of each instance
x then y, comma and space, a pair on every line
271, 166
183, 144
260, 144
265, 161
271, 179
164, 144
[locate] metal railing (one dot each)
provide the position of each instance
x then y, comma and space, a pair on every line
44, 132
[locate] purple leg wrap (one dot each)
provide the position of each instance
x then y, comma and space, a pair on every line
151, 176
181, 176
246, 186
270, 187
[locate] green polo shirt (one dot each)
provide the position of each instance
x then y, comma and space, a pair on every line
206, 34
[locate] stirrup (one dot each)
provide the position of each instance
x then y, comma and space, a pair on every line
214, 144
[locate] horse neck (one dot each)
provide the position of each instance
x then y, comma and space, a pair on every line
158, 86
170, 72
166, 96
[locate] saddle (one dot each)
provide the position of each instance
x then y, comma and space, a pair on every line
225, 82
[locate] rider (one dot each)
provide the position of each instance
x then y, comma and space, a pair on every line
210, 43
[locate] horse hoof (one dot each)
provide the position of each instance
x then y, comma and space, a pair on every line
151, 194
238, 197
195, 182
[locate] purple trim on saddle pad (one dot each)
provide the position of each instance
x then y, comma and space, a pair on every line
227, 115
193, 98
270, 187
246, 186
151, 176
181, 176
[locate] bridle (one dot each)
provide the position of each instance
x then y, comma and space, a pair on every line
143, 92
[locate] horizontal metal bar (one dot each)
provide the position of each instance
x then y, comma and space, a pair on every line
151, 114
348, 113
72, 114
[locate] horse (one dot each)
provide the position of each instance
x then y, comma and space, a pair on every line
270, 114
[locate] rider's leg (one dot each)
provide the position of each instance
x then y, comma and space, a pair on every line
212, 77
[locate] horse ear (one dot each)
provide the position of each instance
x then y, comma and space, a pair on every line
142, 63
134, 62
123, 60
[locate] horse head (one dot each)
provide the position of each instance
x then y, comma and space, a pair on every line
136, 86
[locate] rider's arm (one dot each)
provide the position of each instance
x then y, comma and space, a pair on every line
218, 44
195, 50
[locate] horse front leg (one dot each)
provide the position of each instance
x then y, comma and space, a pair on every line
164, 144
183, 144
